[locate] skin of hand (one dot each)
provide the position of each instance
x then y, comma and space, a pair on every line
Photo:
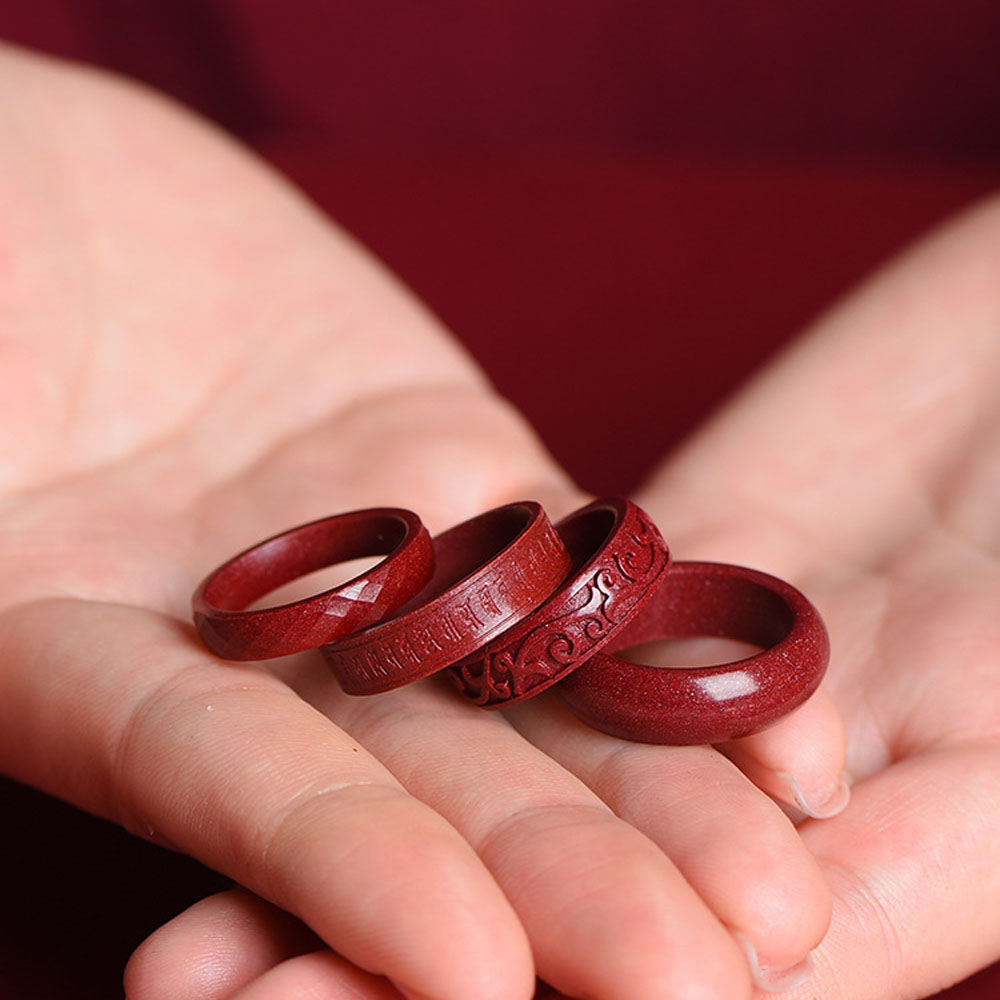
192, 359
866, 465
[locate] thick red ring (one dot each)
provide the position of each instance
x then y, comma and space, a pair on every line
237, 634
492, 571
706, 704
618, 558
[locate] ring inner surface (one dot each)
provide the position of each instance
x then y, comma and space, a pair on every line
584, 535
272, 564
700, 606
467, 547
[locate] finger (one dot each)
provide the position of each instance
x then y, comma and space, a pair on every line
800, 759
754, 873
116, 709
607, 914
889, 856
214, 948
320, 975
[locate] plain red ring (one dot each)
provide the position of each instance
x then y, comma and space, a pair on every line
237, 634
618, 558
707, 704
492, 571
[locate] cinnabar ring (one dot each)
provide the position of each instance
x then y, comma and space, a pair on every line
707, 704
491, 572
237, 634
618, 558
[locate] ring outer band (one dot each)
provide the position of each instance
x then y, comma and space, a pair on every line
491, 572
619, 558
713, 704
231, 631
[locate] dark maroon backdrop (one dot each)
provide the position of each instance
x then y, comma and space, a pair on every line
681, 181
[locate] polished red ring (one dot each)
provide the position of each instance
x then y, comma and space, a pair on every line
706, 704
491, 572
618, 558
232, 632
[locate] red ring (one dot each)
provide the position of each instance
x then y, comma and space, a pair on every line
237, 634
618, 557
707, 704
492, 571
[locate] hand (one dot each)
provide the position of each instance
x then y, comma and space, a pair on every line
866, 465
193, 360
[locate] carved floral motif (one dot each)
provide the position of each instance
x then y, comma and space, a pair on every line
596, 606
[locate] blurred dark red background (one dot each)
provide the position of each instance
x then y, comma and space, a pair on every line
645, 199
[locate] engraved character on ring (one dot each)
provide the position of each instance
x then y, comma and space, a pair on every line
487, 602
464, 610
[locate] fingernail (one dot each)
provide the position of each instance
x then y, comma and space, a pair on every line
773, 978
821, 804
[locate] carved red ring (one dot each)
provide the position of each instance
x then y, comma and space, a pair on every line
706, 704
237, 634
491, 572
618, 558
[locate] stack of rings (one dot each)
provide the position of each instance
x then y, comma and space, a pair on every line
508, 605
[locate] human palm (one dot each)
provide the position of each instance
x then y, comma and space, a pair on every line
194, 360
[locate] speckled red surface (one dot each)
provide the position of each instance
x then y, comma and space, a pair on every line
706, 704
